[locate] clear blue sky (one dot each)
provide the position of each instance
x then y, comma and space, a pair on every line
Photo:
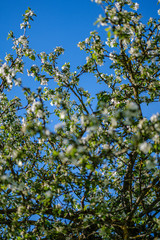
58, 23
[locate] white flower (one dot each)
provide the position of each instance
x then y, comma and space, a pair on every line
59, 126
14, 154
106, 147
154, 117
158, 11
35, 106
111, 56
87, 41
47, 132
136, 6
62, 114
141, 123
39, 113
148, 43
30, 13
132, 106
81, 149
115, 18
41, 140
17, 81
24, 125
156, 138
1, 70
9, 79
43, 56
112, 43
132, 50
44, 81
19, 163
69, 148
22, 25
114, 122
4, 177
48, 194
145, 147
150, 164
98, 1
118, 6
23, 40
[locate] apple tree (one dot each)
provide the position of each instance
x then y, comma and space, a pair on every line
72, 168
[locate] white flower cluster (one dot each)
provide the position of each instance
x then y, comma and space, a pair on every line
59, 126
111, 42
43, 80
154, 117
30, 13
27, 16
35, 105
97, 1
21, 40
136, 6
33, 71
130, 112
81, 45
87, 41
142, 123
23, 25
36, 109
43, 56
118, 6
66, 67
145, 147
7, 73
132, 106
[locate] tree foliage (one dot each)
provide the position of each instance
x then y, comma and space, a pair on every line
94, 174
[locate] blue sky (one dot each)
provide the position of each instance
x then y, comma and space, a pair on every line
59, 23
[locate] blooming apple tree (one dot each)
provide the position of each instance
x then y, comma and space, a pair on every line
94, 174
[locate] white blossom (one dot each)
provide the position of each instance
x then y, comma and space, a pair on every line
136, 6
118, 6
112, 56
98, 1
156, 138
69, 148
132, 50
17, 82
23, 40
4, 177
59, 126
9, 79
47, 132
19, 163
87, 41
145, 147
150, 164
48, 194
154, 117
114, 122
30, 13
132, 106
35, 106
43, 81
22, 25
